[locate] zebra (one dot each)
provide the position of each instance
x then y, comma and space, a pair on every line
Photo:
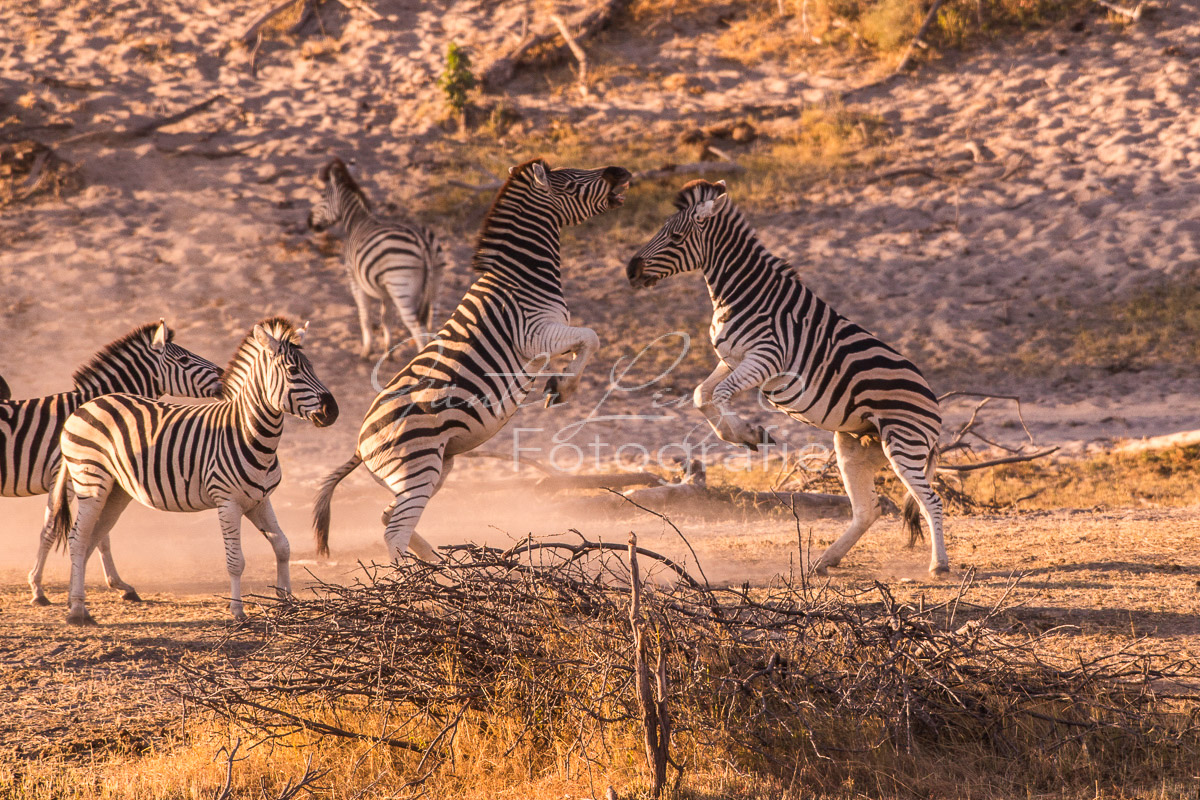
145, 361
771, 331
462, 387
386, 261
5, 392
121, 447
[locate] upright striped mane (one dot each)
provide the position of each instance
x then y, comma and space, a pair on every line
91, 371
695, 192
517, 172
234, 376
336, 170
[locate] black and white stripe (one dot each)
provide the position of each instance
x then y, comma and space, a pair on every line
121, 447
400, 263
772, 332
145, 362
462, 387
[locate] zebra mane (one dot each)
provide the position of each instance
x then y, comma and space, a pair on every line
338, 171
695, 192
514, 174
91, 371
234, 376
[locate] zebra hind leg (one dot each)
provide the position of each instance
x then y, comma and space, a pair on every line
913, 464
118, 501
858, 460
403, 513
80, 542
364, 317
385, 330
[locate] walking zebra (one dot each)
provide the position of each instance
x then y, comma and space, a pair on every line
772, 332
400, 262
462, 388
145, 361
121, 447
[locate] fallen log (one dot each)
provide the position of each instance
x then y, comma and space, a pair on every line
1180, 439
548, 46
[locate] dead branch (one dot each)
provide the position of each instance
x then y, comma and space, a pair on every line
548, 45
146, 128
576, 50
1133, 14
655, 716
919, 39
996, 461
698, 168
1181, 439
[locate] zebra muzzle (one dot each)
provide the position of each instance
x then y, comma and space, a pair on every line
635, 272
327, 414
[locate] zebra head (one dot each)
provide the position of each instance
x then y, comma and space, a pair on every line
682, 244
289, 383
341, 193
572, 195
181, 372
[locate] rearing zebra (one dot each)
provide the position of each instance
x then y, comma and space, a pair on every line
386, 260
121, 447
771, 331
462, 388
146, 362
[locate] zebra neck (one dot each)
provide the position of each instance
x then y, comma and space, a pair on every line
520, 259
257, 419
103, 379
741, 267
352, 210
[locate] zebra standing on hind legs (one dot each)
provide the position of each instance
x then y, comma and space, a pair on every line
145, 362
170, 457
462, 387
392, 262
770, 331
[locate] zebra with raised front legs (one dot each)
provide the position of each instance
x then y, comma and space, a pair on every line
391, 262
462, 387
771, 332
146, 362
121, 447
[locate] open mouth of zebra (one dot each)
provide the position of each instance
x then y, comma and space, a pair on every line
616, 198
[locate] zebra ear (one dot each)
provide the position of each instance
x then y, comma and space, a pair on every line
540, 178
710, 207
267, 340
161, 336
300, 332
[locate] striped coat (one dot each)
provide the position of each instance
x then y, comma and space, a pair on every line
121, 447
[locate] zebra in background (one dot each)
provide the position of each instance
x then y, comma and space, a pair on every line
401, 263
772, 332
462, 388
5, 392
120, 447
146, 362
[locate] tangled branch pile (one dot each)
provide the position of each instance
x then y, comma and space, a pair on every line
789, 682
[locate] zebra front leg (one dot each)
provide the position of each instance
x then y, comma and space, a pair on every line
858, 460
712, 397
262, 517
557, 339
230, 515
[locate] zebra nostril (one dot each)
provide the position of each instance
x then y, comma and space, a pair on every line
327, 414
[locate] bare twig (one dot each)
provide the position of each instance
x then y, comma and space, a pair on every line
919, 39
146, 128
995, 462
576, 50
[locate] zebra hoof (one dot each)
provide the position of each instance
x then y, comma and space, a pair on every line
80, 618
131, 596
39, 599
553, 395
939, 571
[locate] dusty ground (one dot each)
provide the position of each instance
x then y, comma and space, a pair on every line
1087, 198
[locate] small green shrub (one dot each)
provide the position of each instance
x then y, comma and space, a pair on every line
457, 81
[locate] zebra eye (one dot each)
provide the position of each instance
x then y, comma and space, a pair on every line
678, 236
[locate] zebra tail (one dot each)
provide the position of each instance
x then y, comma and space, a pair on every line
324, 498
60, 509
912, 509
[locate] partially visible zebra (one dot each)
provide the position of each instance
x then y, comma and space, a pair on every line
772, 332
5, 392
387, 261
462, 388
170, 457
146, 362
